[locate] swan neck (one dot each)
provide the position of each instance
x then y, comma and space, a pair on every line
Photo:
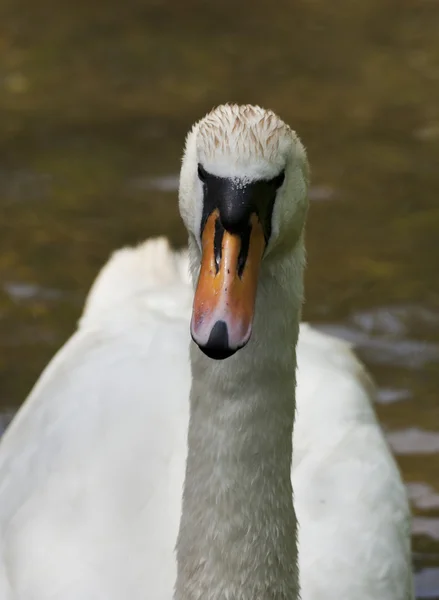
238, 528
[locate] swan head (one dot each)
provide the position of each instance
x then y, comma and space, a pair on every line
243, 199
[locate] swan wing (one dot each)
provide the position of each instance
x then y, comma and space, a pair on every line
351, 504
91, 468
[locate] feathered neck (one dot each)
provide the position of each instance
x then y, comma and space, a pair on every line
237, 534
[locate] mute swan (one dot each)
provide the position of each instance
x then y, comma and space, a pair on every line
93, 465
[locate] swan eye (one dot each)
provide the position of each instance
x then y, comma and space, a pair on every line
279, 179
201, 173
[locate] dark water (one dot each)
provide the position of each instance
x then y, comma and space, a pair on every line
95, 100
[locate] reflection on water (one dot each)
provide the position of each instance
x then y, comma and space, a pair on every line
96, 99
424, 496
427, 583
414, 441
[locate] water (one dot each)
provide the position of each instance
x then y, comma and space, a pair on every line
96, 99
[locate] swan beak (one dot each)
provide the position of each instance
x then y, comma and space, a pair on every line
225, 296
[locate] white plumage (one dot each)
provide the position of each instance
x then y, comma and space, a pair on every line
92, 467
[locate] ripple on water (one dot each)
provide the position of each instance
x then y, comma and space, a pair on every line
391, 395
165, 183
428, 526
386, 349
423, 496
21, 291
427, 584
414, 440
396, 320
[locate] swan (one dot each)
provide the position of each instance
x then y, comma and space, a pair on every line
131, 445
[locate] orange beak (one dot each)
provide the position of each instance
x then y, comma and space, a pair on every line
225, 297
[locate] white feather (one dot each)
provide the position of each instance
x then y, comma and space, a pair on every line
92, 467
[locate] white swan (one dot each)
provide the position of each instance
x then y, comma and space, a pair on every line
92, 467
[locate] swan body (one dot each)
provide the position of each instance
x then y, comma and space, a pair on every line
93, 465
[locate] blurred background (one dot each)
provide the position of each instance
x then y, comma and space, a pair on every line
95, 100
